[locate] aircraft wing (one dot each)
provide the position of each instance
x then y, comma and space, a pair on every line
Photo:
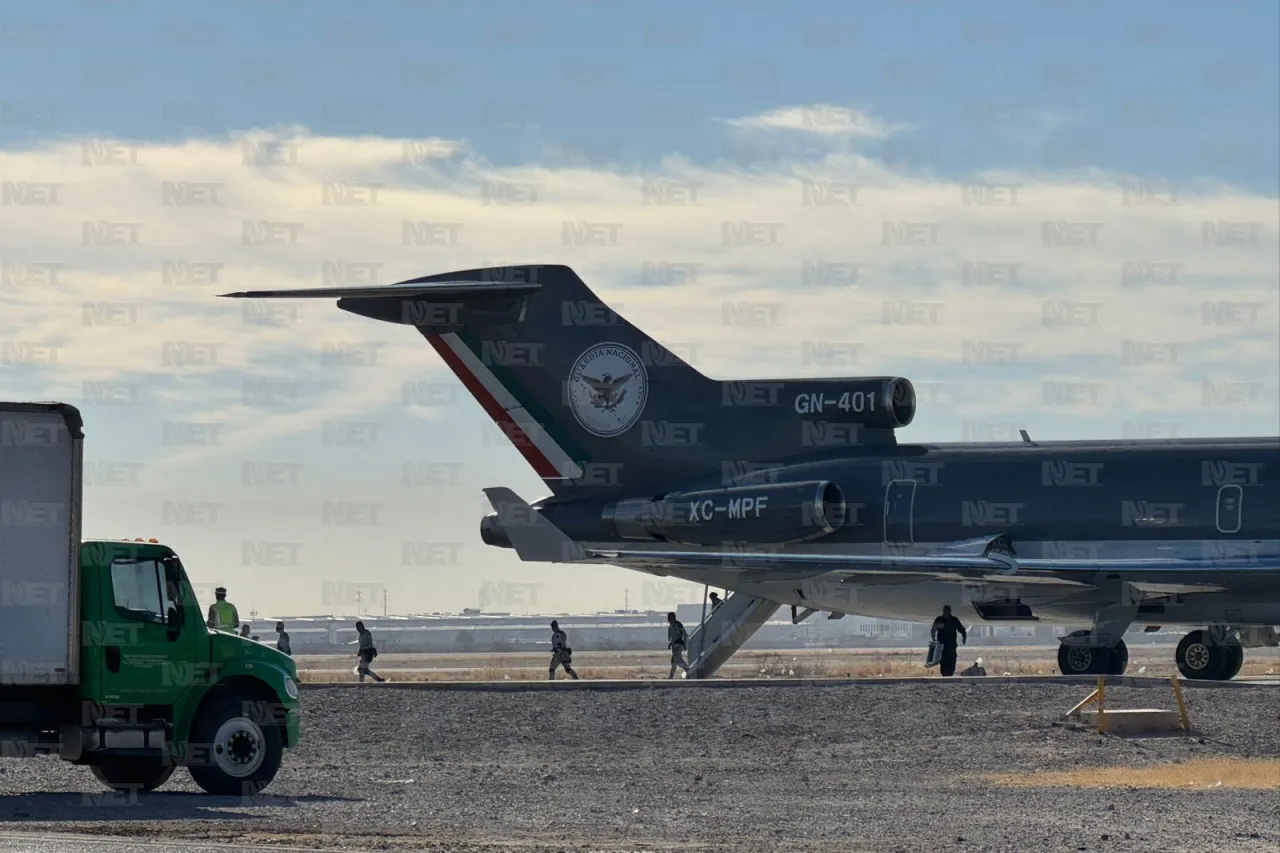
988, 559
1165, 576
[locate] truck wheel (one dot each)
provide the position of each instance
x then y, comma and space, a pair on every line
239, 754
132, 774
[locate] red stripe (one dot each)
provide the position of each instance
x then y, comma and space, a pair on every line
535, 457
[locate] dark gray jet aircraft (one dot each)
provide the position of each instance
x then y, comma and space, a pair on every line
797, 492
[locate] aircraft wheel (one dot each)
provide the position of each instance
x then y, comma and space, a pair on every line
1119, 659
1235, 660
1198, 657
1076, 657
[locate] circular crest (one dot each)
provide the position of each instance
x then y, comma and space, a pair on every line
608, 387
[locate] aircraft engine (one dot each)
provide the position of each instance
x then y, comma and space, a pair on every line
767, 514
879, 402
491, 532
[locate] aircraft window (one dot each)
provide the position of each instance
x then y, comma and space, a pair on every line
1230, 499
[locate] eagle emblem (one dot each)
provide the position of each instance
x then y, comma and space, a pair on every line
607, 389
606, 392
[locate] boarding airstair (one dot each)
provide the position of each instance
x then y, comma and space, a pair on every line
725, 629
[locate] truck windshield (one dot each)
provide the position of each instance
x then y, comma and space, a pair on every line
139, 589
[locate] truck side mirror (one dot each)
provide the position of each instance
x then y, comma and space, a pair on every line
174, 619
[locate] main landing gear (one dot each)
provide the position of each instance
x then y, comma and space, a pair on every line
1080, 654
1209, 656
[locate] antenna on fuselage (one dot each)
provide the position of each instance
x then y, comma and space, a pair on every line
1025, 438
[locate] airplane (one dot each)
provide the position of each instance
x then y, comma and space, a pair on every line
796, 491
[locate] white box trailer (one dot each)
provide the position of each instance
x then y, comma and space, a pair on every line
105, 657
40, 497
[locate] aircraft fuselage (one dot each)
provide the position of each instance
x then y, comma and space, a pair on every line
1211, 500
798, 491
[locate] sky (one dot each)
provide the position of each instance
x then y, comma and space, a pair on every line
1058, 215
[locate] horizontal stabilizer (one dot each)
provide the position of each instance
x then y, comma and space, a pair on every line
534, 537
378, 291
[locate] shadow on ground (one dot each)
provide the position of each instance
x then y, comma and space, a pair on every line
130, 805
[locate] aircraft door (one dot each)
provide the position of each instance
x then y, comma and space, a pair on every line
899, 507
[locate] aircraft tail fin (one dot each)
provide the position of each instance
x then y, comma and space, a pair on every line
596, 405
586, 397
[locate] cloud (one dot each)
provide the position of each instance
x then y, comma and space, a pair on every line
119, 275
820, 120
1086, 305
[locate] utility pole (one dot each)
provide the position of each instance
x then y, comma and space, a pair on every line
359, 612
626, 600
384, 602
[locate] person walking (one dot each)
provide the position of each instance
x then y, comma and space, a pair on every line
282, 640
677, 640
943, 632
561, 654
366, 653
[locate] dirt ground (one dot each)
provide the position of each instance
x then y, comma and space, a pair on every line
885, 767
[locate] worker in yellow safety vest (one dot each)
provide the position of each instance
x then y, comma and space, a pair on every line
222, 613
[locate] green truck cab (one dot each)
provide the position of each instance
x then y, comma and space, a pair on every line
105, 657
168, 690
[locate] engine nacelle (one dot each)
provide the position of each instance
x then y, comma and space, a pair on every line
767, 514
491, 532
878, 402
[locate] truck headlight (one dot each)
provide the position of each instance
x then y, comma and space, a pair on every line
290, 687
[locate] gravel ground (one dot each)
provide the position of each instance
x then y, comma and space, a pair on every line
875, 767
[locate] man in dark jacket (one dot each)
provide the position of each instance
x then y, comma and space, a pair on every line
282, 640
561, 654
677, 640
944, 631
365, 654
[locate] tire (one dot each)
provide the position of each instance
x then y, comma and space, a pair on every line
1078, 658
132, 774
1235, 660
1200, 658
239, 755
1119, 659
